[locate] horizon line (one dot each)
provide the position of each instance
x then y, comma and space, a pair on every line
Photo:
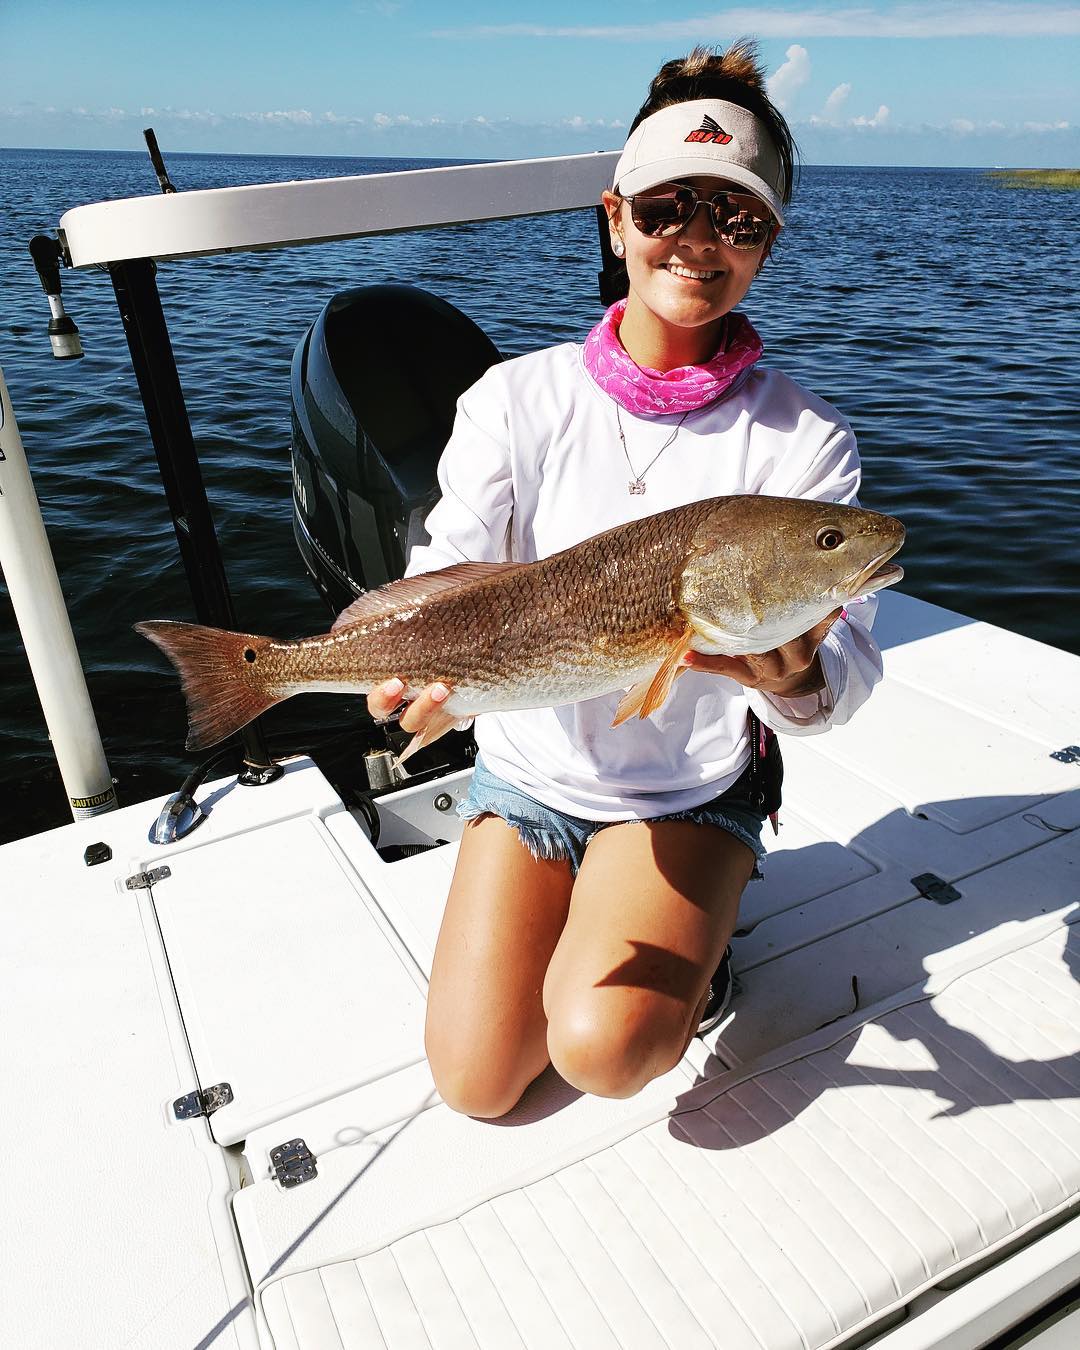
456, 160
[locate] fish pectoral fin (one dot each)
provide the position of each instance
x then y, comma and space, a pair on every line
438, 724
646, 696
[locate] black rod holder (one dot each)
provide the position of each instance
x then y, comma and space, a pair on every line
170, 431
156, 160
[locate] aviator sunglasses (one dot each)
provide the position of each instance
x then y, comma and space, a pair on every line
664, 211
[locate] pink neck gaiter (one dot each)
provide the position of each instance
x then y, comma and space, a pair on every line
651, 393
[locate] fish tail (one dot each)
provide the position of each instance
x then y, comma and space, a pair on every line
220, 674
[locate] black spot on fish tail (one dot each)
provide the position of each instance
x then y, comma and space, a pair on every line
220, 674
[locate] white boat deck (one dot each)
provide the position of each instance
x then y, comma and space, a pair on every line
816, 1174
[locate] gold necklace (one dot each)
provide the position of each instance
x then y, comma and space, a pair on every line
636, 485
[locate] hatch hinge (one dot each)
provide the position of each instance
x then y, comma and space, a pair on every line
142, 881
1068, 754
202, 1102
293, 1163
935, 889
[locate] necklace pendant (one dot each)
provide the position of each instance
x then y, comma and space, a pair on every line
637, 487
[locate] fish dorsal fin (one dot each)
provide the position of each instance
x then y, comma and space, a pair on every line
411, 591
648, 695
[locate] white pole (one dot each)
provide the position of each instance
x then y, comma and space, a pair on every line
27, 564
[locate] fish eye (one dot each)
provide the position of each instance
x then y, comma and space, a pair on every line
829, 538
249, 655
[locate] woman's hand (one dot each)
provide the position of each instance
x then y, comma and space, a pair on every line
790, 670
418, 715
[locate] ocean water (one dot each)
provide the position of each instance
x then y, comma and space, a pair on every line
934, 307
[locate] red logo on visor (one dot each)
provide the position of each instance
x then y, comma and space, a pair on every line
709, 131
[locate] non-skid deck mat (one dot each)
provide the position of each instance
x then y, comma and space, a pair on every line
782, 1208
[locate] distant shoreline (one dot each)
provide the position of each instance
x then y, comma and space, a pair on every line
1050, 178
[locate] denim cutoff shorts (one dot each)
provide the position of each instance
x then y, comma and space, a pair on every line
548, 833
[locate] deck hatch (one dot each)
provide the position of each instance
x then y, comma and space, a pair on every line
290, 986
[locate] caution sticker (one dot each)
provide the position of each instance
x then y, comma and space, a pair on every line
84, 807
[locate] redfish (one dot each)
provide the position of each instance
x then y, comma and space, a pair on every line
619, 611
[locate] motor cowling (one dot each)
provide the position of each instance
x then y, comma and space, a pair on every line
375, 383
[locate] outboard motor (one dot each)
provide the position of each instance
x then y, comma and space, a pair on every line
375, 381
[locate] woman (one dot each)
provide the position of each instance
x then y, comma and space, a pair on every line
601, 868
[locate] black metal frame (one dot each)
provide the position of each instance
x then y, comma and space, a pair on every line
170, 430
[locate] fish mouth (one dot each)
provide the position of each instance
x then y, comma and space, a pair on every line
875, 576
886, 575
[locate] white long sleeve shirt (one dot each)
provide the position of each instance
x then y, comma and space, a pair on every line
535, 465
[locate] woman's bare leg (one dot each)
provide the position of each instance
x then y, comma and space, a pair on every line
486, 1033
653, 908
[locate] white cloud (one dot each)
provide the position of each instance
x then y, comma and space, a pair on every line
580, 123
1001, 19
878, 120
301, 123
831, 113
834, 104
786, 82
298, 117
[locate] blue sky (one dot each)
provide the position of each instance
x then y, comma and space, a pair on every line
978, 83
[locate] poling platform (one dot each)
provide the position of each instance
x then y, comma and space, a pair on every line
880, 1145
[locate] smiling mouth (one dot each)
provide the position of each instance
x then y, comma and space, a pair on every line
690, 273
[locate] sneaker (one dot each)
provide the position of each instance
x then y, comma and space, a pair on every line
720, 991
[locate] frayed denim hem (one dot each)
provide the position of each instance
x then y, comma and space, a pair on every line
556, 836
542, 841
706, 815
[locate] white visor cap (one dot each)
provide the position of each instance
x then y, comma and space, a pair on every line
708, 136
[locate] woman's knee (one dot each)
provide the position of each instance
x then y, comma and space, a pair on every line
468, 1085
475, 1079
614, 1053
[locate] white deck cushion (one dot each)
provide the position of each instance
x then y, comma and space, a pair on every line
785, 1206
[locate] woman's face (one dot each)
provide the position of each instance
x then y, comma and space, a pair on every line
689, 279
